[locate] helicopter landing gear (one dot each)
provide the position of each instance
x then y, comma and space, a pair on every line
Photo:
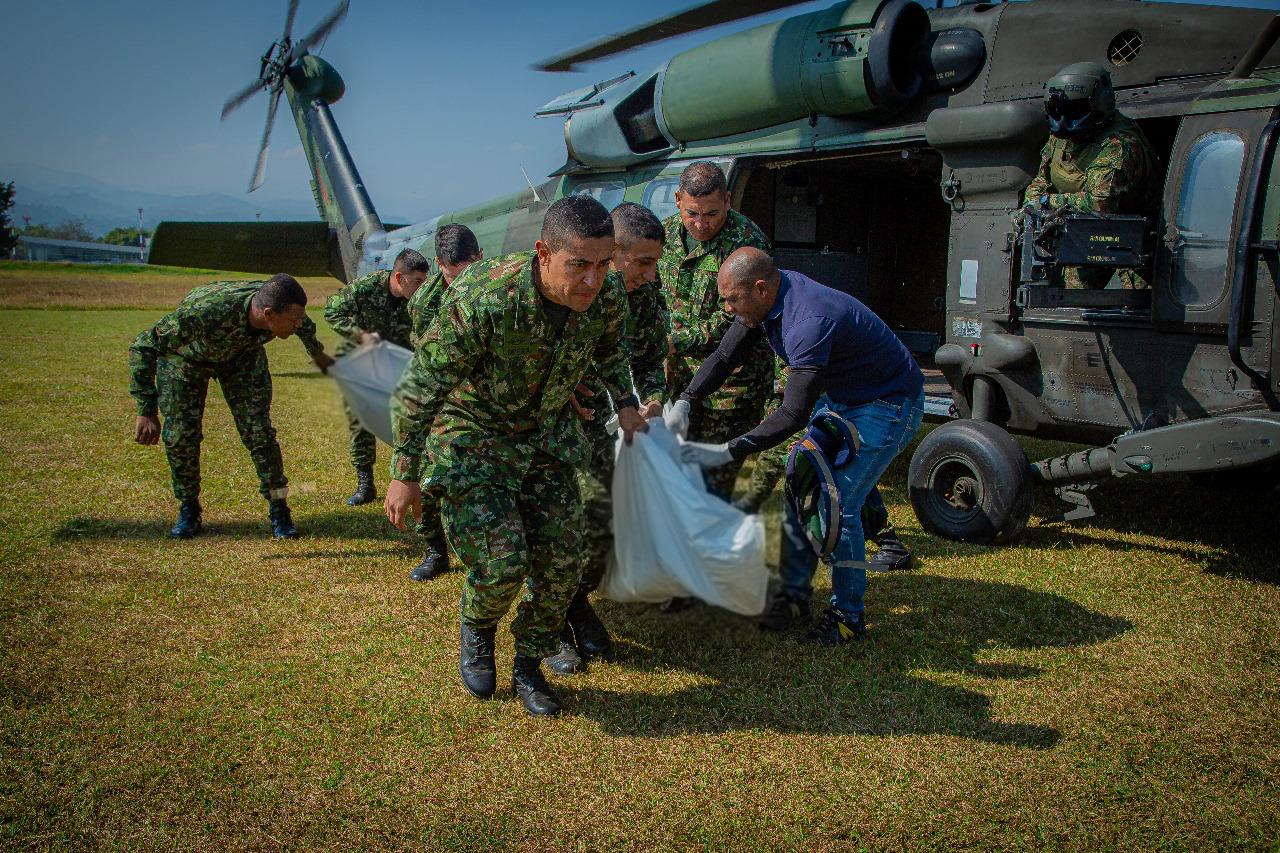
970, 482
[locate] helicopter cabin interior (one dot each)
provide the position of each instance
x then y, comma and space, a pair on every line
872, 225
875, 225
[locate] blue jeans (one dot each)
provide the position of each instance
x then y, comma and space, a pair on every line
886, 428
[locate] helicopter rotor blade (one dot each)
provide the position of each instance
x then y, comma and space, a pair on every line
260, 169
690, 20
289, 15
235, 101
322, 29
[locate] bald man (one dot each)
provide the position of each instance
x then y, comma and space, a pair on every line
840, 357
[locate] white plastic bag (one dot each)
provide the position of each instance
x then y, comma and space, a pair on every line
367, 376
672, 538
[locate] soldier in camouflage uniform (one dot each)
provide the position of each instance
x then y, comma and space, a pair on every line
456, 249
372, 308
698, 238
638, 239
486, 399
218, 332
1097, 160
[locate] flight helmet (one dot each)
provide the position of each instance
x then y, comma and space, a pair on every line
1079, 100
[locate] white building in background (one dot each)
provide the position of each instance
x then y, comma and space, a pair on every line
48, 249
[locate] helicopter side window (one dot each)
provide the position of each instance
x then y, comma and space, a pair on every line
608, 193
1206, 206
660, 196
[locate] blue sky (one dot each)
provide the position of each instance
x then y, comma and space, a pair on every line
438, 112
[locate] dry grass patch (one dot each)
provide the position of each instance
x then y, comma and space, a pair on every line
1111, 686
55, 285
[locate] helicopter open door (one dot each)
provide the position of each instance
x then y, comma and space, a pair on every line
1215, 268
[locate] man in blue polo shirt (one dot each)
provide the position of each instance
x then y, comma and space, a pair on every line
840, 357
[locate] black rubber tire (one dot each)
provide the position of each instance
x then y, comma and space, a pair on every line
970, 482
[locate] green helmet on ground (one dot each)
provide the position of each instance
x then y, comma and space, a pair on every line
1079, 100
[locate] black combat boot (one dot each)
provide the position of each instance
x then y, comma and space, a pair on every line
893, 556
475, 661
784, 611
677, 604
434, 562
281, 520
592, 636
835, 629
365, 492
188, 523
528, 682
567, 661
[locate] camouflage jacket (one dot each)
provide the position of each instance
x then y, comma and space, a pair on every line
698, 318
648, 328
645, 333
209, 326
424, 305
490, 380
368, 305
1114, 171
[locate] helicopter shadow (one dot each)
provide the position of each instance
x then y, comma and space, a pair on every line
921, 624
1222, 531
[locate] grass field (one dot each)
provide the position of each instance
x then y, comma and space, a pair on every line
1111, 686
34, 284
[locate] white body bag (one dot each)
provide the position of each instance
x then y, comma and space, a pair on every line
673, 539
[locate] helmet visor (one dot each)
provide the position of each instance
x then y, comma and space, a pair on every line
1062, 110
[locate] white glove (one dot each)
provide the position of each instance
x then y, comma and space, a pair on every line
676, 417
705, 455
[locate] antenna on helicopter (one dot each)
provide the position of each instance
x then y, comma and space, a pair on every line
278, 63
536, 196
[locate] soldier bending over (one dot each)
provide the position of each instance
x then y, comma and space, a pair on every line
218, 332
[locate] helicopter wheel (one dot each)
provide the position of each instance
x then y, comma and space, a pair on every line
970, 482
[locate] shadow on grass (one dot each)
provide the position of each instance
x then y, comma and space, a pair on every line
1225, 532
299, 374
353, 524
926, 635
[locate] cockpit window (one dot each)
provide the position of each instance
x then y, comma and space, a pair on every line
608, 193
1206, 207
660, 196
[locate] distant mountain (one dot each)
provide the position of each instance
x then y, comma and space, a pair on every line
52, 196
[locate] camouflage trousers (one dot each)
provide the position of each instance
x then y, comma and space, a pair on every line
364, 446
1096, 278
771, 465
717, 426
766, 472
246, 385
595, 484
430, 525
515, 538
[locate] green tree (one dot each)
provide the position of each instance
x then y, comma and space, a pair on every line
124, 236
37, 230
69, 229
8, 237
74, 229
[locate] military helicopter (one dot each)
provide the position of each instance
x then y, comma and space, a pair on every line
882, 147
